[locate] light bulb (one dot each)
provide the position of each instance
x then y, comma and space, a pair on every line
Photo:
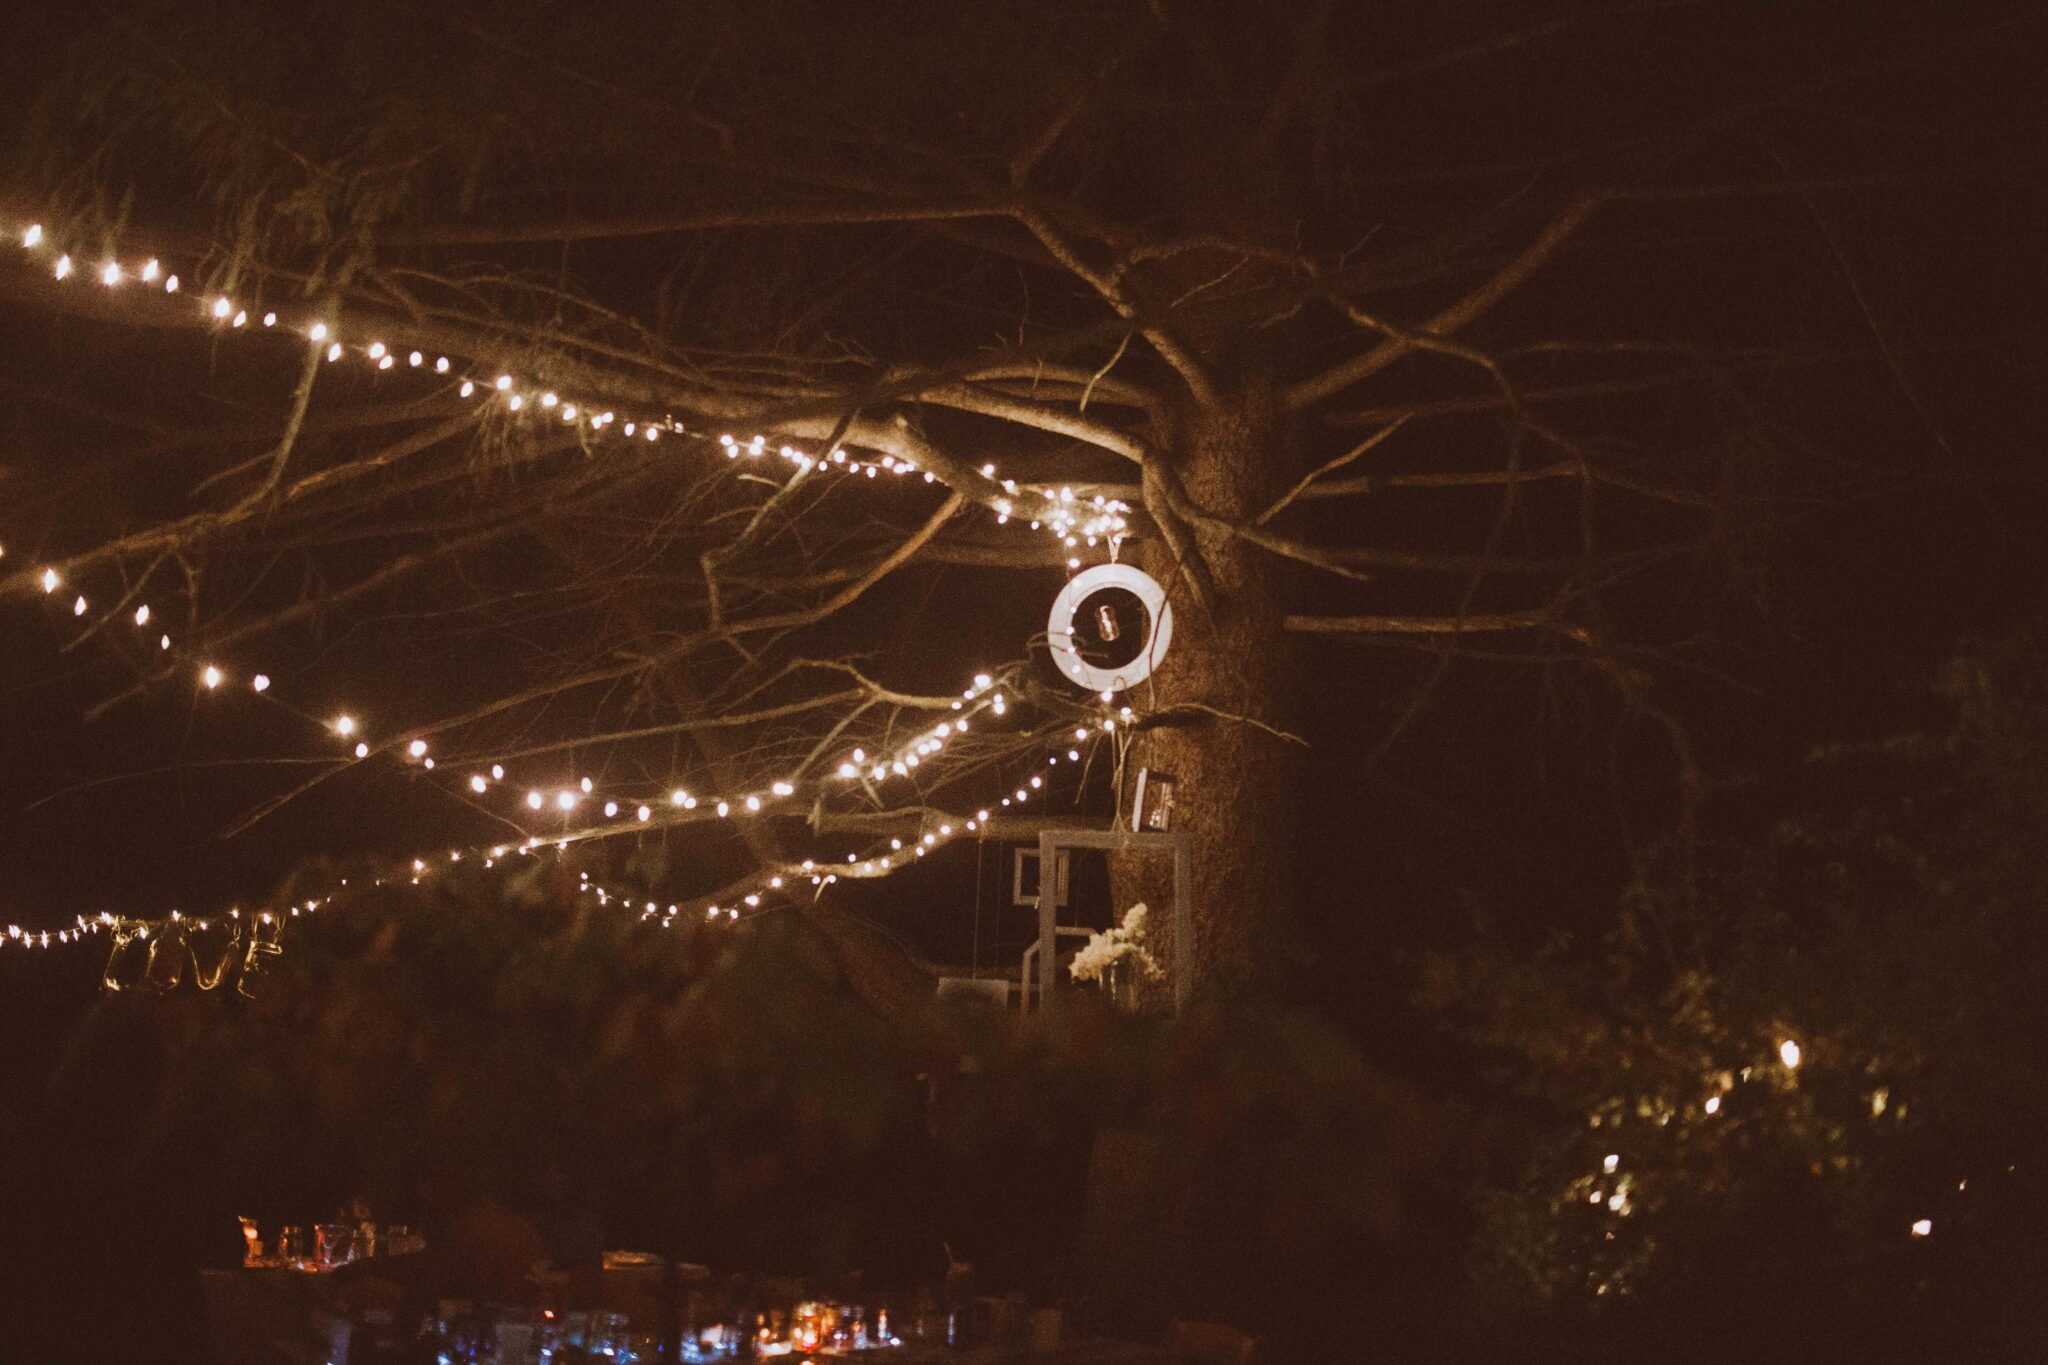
110, 273
221, 307
1788, 1052
418, 748
478, 785
50, 580
261, 682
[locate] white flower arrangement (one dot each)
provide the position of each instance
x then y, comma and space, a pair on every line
1104, 950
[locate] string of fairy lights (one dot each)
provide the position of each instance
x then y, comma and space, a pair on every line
1075, 521
626, 811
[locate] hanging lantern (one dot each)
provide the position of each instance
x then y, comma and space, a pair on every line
1109, 627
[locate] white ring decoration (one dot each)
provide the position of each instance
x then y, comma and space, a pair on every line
1060, 627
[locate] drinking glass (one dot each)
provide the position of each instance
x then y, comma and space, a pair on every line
332, 1244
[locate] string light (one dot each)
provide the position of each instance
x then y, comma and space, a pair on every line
1065, 514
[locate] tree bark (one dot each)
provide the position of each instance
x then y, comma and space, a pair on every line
1228, 690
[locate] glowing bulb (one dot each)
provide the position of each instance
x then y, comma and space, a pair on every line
611, 809
565, 800
497, 772
1611, 1164
270, 319
1788, 1053
515, 402
33, 235
221, 307
261, 682
504, 383
171, 284
441, 365
63, 266
1713, 1104
50, 580
110, 273
1923, 1226
78, 607
241, 317
782, 789
848, 770
376, 350
318, 331
334, 353
723, 809
344, 726
535, 800
418, 748
211, 677
362, 751
678, 796
478, 785
643, 814
753, 804
142, 614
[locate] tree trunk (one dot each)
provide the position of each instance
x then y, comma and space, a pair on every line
1226, 693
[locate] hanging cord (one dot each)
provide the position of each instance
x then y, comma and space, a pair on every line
980, 880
